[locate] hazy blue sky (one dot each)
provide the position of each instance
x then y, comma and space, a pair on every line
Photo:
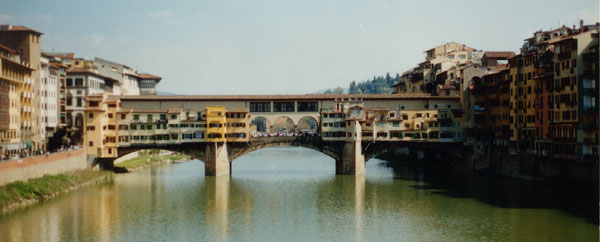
280, 46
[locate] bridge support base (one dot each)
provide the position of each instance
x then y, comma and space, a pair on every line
352, 162
217, 160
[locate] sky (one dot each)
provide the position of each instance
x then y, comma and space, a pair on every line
281, 46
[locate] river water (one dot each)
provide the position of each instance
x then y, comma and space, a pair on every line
293, 194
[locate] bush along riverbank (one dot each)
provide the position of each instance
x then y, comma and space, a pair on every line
149, 158
22, 194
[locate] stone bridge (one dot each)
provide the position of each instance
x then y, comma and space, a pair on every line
350, 156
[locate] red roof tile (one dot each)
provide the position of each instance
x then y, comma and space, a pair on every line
9, 50
279, 97
149, 76
499, 54
6, 27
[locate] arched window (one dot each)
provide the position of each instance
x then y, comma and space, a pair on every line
79, 120
69, 120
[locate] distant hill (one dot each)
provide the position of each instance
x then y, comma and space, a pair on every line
377, 85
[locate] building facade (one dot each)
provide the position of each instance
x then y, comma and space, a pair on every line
26, 41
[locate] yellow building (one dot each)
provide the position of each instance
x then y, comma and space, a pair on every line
238, 124
27, 42
13, 74
522, 102
216, 122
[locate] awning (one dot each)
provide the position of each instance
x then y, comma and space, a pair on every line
14, 146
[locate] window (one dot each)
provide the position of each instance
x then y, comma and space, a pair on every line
79, 102
123, 116
133, 127
110, 115
69, 82
91, 115
307, 106
136, 117
79, 82
260, 107
149, 117
283, 107
91, 127
91, 144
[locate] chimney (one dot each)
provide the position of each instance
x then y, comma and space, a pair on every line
581, 25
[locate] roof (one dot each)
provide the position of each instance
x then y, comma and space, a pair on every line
9, 50
278, 97
7, 27
55, 64
95, 109
125, 110
149, 76
23, 64
77, 70
62, 55
499, 54
98, 59
174, 110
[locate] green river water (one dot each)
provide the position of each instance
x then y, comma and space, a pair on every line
293, 194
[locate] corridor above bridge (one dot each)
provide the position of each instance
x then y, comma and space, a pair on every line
116, 122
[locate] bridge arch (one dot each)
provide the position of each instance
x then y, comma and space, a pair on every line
283, 125
261, 124
237, 150
307, 124
448, 150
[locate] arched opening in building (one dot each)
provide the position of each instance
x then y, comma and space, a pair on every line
283, 126
308, 125
260, 126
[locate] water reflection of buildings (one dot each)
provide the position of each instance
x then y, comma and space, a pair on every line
90, 213
359, 204
217, 206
